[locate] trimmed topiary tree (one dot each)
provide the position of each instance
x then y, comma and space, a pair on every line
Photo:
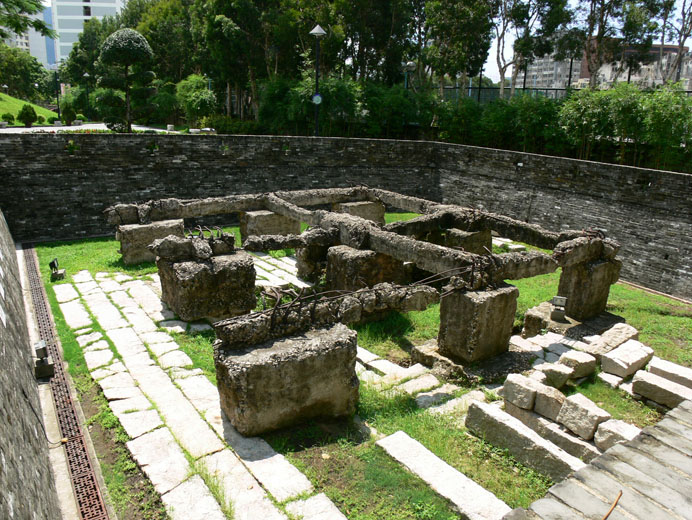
27, 115
68, 115
9, 118
124, 53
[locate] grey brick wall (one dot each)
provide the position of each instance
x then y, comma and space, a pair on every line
27, 487
48, 193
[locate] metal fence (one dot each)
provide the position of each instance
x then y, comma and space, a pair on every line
488, 94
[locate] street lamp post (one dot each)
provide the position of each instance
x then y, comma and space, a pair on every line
408, 67
86, 77
318, 33
57, 93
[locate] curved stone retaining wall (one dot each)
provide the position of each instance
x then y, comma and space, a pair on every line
55, 186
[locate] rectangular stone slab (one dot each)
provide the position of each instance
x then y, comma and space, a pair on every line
472, 500
282, 382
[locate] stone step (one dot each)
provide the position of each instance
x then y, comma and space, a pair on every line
607, 487
472, 500
192, 500
551, 509
659, 389
646, 484
502, 430
318, 507
674, 372
554, 433
626, 359
671, 457
576, 496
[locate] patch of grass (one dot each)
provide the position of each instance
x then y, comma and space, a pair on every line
93, 254
617, 403
492, 468
533, 291
13, 105
399, 217
663, 323
198, 345
362, 480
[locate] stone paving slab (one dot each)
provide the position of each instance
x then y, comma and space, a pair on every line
126, 341
203, 395
98, 358
460, 404
469, 498
160, 458
99, 345
278, 476
87, 288
646, 484
672, 371
671, 457
104, 311
159, 349
65, 292
139, 319
250, 501
573, 494
604, 485
550, 509
192, 500
139, 423
174, 326
659, 389
420, 384
75, 315
82, 276
180, 416
132, 404
85, 339
148, 300
109, 286
175, 358
436, 396
365, 356
318, 507
151, 338
122, 299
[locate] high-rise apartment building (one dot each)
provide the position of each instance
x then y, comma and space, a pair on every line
40, 47
69, 17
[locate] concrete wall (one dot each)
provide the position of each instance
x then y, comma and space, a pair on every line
27, 487
50, 193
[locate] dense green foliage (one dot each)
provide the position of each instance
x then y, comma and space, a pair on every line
22, 73
16, 17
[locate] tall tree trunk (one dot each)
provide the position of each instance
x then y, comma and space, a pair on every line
253, 93
127, 99
228, 99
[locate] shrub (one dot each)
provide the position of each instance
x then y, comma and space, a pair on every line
52, 119
229, 125
68, 115
460, 121
8, 117
194, 98
27, 115
81, 117
41, 120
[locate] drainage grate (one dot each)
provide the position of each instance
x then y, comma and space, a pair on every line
87, 492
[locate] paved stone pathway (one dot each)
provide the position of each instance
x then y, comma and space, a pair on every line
653, 471
277, 272
172, 411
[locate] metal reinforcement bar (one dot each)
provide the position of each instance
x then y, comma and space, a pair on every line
87, 492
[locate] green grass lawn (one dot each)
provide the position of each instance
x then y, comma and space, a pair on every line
12, 105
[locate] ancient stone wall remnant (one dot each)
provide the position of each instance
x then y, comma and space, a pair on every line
135, 239
267, 223
204, 277
366, 209
352, 269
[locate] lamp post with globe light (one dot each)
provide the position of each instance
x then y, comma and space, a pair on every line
86, 77
318, 33
408, 67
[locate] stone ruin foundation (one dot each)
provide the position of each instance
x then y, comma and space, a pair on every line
448, 247
205, 277
135, 239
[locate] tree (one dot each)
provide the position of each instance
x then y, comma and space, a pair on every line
681, 29
15, 17
124, 54
194, 97
461, 32
20, 71
27, 115
85, 54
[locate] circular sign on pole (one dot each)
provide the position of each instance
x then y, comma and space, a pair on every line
317, 99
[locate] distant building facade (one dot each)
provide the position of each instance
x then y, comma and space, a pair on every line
547, 72
40, 47
69, 17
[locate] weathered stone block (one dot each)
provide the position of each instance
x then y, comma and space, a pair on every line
368, 210
581, 415
660, 389
476, 325
283, 382
626, 359
520, 391
610, 339
135, 239
586, 287
311, 262
478, 242
548, 402
556, 374
502, 430
611, 432
267, 223
222, 286
583, 364
352, 269
672, 371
